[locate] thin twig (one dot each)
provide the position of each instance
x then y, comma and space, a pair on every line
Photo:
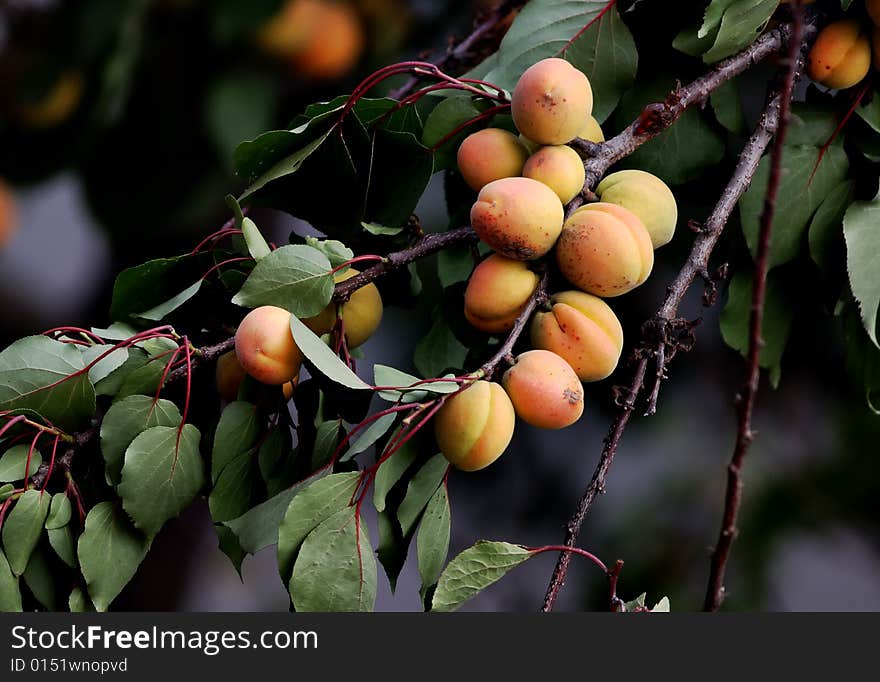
746, 401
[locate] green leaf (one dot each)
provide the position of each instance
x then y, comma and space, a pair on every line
776, 324
420, 489
390, 472
236, 434
455, 265
406, 387
78, 602
448, 115
637, 603
743, 20
110, 551
812, 124
393, 547
327, 439
869, 112
798, 199
432, 541
60, 511
862, 232
607, 53
474, 570
104, 367
680, 154
728, 108
661, 606
38, 577
7, 490
61, 540
23, 527
144, 286
324, 360
257, 246
296, 278
337, 252
258, 528
382, 230
237, 107
286, 166
231, 495
165, 308
313, 505
826, 227
229, 545
14, 461
10, 594
368, 437
398, 173
34, 375
336, 567
439, 350
163, 472
124, 421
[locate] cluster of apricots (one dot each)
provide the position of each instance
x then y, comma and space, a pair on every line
845, 50
264, 345
319, 39
604, 249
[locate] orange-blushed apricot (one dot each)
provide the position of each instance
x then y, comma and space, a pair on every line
265, 348
605, 250
497, 292
648, 197
560, 168
582, 330
490, 154
550, 101
544, 390
475, 426
361, 314
519, 218
841, 55
333, 46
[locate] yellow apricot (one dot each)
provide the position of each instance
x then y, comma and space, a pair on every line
605, 250
519, 218
288, 30
474, 427
333, 46
592, 131
841, 55
544, 390
497, 292
57, 105
550, 101
648, 197
265, 348
8, 214
361, 314
560, 168
488, 155
582, 330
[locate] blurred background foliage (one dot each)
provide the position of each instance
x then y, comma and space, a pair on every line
118, 120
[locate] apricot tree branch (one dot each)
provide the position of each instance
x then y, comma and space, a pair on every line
746, 401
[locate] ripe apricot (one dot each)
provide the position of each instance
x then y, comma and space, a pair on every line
560, 168
544, 390
361, 314
334, 44
57, 105
592, 131
582, 330
497, 292
648, 197
287, 31
474, 427
841, 55
229, 375
605, 250
8, 217
265, 348
519, 218
488, 155
550, 101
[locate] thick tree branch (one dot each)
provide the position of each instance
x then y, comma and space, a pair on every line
746, 404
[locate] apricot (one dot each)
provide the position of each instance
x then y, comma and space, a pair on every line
287, 31
333, 45
361, 314
488, 155
550, 101
229, 375
648, 197
265, 348
582, 330
474, 426
592, 131
8, 217
57, 105
605, 250
560, 168
544, 390
497, 292
519, 218
841, 55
